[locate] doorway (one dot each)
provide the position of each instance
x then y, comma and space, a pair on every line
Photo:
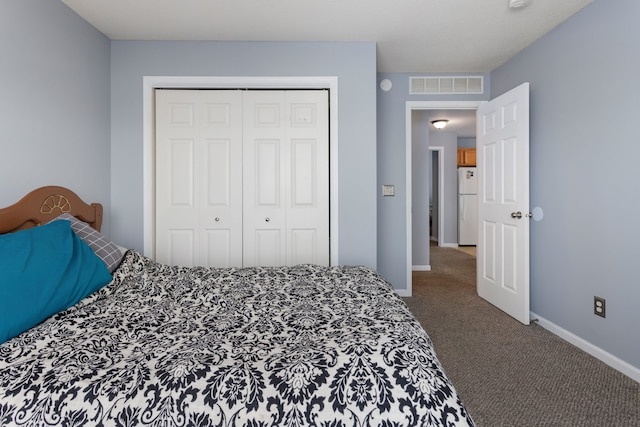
412, 106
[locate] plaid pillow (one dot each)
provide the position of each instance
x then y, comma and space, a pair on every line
106, 250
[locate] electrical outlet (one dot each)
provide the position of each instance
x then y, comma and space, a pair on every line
599, 307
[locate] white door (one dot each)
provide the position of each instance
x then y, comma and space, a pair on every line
503, 202
286, 160
308, 175
242, 177
199, 177
264, 216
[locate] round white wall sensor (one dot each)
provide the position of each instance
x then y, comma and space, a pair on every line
386, 85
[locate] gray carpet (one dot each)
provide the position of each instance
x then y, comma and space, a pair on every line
509, 374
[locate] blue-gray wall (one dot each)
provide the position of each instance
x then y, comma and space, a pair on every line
585, 149
353, 63
466, 143
54, 102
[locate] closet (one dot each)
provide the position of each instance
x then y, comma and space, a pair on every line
241, 177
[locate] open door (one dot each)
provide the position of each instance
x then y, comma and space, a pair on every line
503, 202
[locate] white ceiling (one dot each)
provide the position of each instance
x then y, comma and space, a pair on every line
412, 36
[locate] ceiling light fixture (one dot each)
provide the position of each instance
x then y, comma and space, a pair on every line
440, 123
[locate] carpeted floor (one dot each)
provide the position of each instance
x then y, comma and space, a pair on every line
509, 374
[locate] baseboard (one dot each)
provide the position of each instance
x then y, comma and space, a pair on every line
608, 358
449, 245
421, 268
403, 293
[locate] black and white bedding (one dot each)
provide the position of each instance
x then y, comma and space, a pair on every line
285, 346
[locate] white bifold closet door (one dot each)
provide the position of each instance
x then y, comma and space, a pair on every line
242, 177
198, 160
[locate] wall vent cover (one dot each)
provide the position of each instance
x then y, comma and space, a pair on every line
446, 85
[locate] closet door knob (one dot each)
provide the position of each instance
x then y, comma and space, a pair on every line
217, 219
267, 219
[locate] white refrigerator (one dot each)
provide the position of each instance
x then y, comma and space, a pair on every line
467, 206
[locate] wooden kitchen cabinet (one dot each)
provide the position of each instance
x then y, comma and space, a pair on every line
466, 156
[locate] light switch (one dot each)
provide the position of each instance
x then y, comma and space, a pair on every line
388, 190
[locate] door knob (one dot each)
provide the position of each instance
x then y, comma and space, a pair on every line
217, 219
267, 220
516, 215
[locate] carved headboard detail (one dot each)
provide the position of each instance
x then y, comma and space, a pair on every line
55, 201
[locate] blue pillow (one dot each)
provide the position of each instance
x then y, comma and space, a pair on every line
44, 270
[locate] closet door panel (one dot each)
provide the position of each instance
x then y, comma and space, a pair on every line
199, 178
308, 177
267, 173
218, 165
181, 173
181, 244
267, 249
303, 173
304, 246
221, 176
264, 213
176, 217
218, 248
220, 217
179, 214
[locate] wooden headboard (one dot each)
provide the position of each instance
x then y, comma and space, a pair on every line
44, 204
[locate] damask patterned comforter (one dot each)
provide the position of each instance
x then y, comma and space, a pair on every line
286, 346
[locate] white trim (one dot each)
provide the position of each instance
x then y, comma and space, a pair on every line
409, 198
402, 293
313, 82
409, 107
440, 151
450, 245
444, 105
608, 358
421, 268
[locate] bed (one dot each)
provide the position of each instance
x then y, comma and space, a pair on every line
174, 346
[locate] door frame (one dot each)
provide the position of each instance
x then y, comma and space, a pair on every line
410, 106
150, 83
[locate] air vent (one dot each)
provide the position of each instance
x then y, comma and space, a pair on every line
441, 85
